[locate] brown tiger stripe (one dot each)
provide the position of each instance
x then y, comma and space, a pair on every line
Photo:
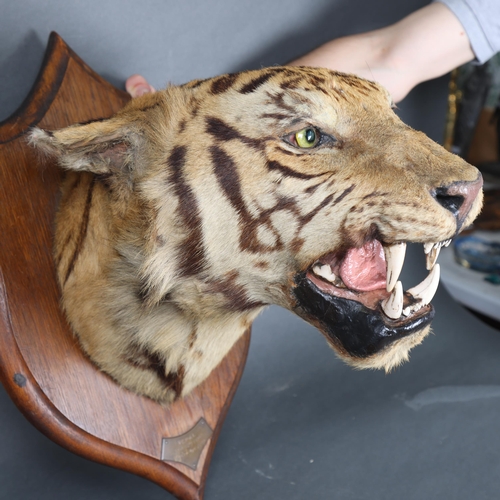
62, 248
175, 381
276, 116
191, 252
254, 84
223, 83
344, 193
228, 179
279, 101
144, 359
192, 338
291, 83
305, 219
221, 131
376, 193
312, 189
83, 230
288, 172
194, 83
67, 196
236, 295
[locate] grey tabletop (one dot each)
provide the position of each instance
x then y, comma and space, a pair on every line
302, 425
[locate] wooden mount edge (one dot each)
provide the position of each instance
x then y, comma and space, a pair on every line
16, 376
42, 93
38, 409
45, 88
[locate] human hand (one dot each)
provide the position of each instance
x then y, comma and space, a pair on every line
136, 85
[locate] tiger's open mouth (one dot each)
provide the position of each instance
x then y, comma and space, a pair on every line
356, 297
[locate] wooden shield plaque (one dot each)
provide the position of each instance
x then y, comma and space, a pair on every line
41, 365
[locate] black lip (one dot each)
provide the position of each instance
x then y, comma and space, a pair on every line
350, 324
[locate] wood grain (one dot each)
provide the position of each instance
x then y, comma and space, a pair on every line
41, 365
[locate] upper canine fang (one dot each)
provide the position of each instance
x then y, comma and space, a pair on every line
431, 257
395, 258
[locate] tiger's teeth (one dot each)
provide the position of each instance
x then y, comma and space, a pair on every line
325, 271
432, 251
394, 257
431, 257
425, 291
428, 247
412, 309
393, 305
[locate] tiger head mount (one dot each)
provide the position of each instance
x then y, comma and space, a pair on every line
193, 208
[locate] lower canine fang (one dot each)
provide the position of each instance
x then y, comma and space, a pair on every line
393, 305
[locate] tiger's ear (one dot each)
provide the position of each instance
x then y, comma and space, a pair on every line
102, 147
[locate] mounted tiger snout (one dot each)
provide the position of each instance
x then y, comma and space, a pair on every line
193, 208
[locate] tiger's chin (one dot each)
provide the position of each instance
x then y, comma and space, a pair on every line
356, 300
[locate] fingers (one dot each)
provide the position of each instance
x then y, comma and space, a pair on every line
136, 85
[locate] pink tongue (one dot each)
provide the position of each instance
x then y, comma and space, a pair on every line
364, 269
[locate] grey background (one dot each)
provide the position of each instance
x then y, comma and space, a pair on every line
302, 424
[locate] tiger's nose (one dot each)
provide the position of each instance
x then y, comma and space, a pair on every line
458, 197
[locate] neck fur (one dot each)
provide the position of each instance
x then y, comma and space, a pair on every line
162, 348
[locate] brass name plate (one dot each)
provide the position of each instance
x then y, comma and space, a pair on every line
186, 448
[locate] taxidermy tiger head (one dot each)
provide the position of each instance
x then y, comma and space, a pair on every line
193, 208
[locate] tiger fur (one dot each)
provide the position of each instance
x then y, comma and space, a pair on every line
193, 208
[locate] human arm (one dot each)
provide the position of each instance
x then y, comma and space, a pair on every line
424, 45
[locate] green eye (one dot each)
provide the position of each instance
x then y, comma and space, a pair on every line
307, 137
